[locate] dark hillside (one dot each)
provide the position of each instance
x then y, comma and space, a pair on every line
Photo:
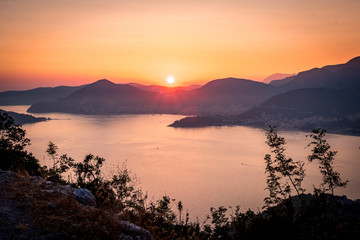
36, 95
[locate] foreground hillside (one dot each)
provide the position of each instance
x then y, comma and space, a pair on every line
33, 208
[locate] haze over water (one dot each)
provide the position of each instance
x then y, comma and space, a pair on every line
204, 167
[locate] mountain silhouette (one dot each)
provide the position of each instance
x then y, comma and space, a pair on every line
100, 97
328, 97
106, 97
277, 76
339, 76
163, 89
32, 96
335, 110
227, 96
240, 93
308, 102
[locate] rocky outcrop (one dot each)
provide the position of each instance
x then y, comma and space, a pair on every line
33, 208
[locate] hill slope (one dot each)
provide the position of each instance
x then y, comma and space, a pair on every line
36, 95
233, 91
33, 208
335, 110
309, 102
277, 76
339, 76
21, 119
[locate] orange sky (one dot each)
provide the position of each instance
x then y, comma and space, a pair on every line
67, 42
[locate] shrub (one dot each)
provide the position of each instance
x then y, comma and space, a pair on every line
13, 155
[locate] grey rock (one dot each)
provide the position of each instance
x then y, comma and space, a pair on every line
68, 189
84, 196
136, 231
51, 205
37, 180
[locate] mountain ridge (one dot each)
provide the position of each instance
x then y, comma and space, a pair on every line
277, 76
225, 97
29, 97
338, 76
105, 97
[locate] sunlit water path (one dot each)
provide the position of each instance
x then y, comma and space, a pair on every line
205, 167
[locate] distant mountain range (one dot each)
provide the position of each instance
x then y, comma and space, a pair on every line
305, 103
325, 97
277, 76
314, 97
340, 76
101, 97
338, 111
36, 95
163, 89
221, 96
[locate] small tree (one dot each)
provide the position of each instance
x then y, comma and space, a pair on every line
60, 165
281, 167
88, 172
180, 207
52, 151
322, 153
161, 212
129, 196
220, 222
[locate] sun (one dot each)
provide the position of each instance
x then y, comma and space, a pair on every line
170, 79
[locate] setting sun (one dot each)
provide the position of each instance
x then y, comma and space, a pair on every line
170, 79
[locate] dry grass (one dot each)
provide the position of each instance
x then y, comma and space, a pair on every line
64, 216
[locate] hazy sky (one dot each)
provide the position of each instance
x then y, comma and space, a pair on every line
71, 42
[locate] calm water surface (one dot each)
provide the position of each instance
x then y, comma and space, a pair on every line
206, 167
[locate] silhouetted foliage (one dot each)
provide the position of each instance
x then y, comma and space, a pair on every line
13, 155
52, 151
220, 223
281, 167
119, 192
180, 208
322, 153
60, 165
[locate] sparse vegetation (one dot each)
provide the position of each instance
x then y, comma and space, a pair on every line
322, 153
279, 168
12, 148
